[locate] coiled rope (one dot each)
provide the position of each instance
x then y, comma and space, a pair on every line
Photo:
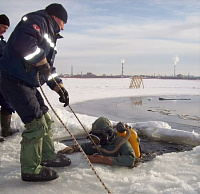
72, 136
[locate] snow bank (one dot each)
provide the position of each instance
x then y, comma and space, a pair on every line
161, 131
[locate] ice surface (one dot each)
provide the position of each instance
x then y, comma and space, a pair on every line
168, 173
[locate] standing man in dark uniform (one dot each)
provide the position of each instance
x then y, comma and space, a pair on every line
29, 54
6, 109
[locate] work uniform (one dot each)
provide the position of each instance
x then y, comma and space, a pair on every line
4, 105
6, 109
33, 39
125, 156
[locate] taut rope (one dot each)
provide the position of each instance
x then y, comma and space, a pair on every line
78, 118
72, 136
85, 130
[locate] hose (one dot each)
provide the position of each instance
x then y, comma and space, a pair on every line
125, 139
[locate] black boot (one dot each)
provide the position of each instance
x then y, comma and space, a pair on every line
61, 161
5, 124
46, 174
1, 139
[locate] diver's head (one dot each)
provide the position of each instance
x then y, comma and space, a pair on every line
102, 128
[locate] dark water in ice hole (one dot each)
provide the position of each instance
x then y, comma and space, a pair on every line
180, 112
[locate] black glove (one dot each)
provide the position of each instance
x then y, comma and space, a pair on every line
44, 70
64, 97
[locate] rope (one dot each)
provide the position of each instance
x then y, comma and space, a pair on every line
97, 148
72, 136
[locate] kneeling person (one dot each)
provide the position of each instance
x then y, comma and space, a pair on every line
114, 150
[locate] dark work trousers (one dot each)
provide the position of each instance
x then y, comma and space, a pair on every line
27, 101
5, 106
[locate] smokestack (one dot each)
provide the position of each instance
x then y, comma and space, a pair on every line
122, 61
176, 60
71, 70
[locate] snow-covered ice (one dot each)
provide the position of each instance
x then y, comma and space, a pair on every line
168, 173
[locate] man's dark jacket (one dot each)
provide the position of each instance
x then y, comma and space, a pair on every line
2, 45
33, 39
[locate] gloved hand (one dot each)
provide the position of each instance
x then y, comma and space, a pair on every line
69, 150
97, 158
64, 97
44, 70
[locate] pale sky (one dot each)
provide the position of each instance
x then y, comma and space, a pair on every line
147, 34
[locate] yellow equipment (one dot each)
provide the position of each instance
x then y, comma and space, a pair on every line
133, 140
